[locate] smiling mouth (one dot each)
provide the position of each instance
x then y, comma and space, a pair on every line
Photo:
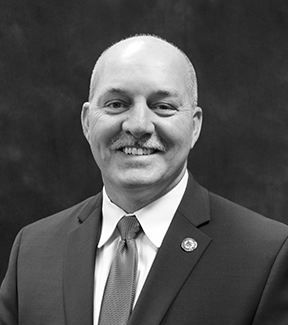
137, 151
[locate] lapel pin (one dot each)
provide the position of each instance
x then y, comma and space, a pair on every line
189, 244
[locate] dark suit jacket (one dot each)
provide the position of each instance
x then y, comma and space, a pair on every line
237, 275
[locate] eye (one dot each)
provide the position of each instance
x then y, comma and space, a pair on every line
116, 106
164, 109
165, 106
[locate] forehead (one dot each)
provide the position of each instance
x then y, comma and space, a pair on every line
138, 63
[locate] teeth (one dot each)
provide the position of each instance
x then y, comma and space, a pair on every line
134, 151
137, 151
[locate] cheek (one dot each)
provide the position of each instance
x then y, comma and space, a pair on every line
176, 134
99, 149
103, 129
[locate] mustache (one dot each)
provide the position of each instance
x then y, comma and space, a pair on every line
126, 140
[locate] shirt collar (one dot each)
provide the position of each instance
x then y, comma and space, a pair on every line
154, 218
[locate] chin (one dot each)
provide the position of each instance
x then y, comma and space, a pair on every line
137, 182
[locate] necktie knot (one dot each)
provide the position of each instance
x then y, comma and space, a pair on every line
129, 227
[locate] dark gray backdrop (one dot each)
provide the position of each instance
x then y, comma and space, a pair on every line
47, 51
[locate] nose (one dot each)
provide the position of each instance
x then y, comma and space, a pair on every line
139, 121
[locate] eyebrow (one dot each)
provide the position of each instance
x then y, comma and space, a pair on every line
162, 93
167, 93
115, 90
111, 90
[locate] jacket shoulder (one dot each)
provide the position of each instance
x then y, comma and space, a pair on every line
242, 219
65, 220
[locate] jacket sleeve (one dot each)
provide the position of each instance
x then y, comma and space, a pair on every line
273, 305
8, 290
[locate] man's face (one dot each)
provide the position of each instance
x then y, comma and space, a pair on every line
140, 123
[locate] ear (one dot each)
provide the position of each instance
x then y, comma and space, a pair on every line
197, 125
85, 120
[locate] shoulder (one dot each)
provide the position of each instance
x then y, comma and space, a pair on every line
238, 219
226, 217
63, 221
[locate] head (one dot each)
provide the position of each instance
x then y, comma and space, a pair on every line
142, 118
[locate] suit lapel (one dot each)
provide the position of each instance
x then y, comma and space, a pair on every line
172, 264
79, 265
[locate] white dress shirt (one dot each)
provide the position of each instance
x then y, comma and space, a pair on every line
155, 219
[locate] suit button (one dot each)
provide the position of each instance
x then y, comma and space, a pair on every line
189, 244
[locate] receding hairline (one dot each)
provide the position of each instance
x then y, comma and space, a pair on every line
191, 74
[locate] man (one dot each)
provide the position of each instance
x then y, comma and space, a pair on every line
201, 259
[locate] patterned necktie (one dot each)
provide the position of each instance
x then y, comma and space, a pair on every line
119, 292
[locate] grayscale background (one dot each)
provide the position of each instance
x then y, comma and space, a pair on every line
47, 51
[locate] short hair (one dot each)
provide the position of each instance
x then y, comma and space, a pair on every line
191, 74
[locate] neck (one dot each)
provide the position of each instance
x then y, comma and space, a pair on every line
135, 198
130, 201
